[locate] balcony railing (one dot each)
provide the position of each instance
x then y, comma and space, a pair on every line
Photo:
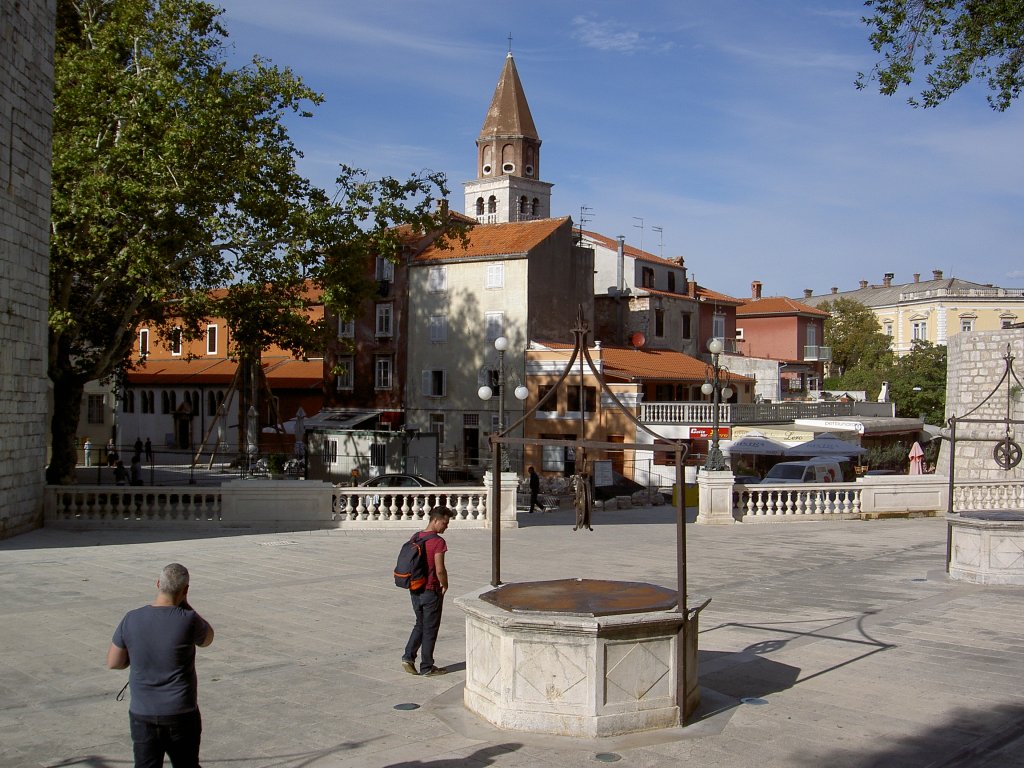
818, 353
743, 413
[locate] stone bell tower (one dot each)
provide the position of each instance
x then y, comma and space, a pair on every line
508, 186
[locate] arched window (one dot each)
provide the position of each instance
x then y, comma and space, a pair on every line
211, 404
174, 401
165, 402
536, 206
524, 206
492, 204
195, 403
479, 206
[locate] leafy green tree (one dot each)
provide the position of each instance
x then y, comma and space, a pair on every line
917, 383
174, 174
953, 41
852, 331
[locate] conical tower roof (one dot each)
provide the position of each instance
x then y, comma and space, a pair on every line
509, 114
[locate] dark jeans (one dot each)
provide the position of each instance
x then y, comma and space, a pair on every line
176, 735
427, 606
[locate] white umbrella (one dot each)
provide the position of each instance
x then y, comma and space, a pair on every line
825, 444
300, 432
252, 431
756, 444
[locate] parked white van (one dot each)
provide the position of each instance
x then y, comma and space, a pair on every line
819, 470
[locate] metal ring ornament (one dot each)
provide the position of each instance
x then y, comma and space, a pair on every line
1007, 453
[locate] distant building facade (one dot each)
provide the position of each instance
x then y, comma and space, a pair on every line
932, 310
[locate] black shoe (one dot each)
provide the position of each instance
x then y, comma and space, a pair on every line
435, 672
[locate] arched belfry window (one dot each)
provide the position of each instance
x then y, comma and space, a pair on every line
479, 206
536, 206
492, 204
524, 206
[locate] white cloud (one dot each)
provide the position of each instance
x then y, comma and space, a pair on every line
608, 35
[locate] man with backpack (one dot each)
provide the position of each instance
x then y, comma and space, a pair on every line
428, 600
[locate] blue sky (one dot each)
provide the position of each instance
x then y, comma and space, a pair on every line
733, 126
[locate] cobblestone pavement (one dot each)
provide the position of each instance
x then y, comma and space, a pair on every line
847, 640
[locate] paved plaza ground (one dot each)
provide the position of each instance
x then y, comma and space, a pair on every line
846, 638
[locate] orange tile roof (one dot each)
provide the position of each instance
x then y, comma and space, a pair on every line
495, 240
628, 250
778, 305
624, 362
630, 363
287, 373
701, 292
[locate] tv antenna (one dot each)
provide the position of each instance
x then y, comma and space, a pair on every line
661, 241
585, 218
640, 226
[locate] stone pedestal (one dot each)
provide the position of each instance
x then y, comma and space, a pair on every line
571, 674
284, 504
715, 502
509, 485
987, 547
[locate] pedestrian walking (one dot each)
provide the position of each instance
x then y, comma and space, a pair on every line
428, 602
535, 491
149, 451
88, 452
158, 643
136, 470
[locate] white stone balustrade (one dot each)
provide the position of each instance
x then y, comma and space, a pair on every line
988, 494
262, 504
769, 502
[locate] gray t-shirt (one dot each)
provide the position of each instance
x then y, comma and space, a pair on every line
161, 643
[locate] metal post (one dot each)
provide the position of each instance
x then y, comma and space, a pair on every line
715, 460
495, 512
681, 637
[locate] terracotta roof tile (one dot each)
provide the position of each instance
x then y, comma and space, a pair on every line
656, 364
630, 363
495, 240
778, 305
287, 373
627, 249
706, 293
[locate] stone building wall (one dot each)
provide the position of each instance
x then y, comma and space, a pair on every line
26, 106
976, 365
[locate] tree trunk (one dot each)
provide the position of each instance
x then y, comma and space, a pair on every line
67, 405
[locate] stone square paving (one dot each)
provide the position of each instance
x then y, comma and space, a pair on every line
846, 638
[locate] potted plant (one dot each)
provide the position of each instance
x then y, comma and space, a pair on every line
275, 465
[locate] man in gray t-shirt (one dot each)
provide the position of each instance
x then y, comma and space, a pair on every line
158, 642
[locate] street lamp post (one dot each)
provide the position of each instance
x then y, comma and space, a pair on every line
486, 393
715, 460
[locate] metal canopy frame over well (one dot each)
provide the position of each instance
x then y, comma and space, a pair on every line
581, 352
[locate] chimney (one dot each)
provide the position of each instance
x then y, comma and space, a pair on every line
442, 206
917, 277
620, 266
808, 293
755, 289
835, 289
863, 283
887, 279
936, 274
